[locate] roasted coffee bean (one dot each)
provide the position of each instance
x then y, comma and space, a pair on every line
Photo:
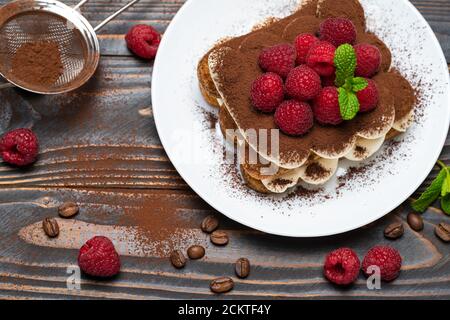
221, 285
394, 230
442, 230
50, 227
242, 267
196, 252
68, 209
219, 238
178, 259
415, 221
209, 224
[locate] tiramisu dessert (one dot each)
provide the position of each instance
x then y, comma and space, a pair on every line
321, 80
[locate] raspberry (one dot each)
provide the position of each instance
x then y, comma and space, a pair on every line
368, 98
386, 258
99, 258
143, 40
329, 81
326, 106
19, 147
294, 118
303, 43
303, 83
368, 60
342, 266
321, 58
279, 59
267, 92
338, 31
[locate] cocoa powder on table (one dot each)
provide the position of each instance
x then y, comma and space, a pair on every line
37, 63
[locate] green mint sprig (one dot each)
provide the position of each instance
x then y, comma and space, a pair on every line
348, 85
440, 187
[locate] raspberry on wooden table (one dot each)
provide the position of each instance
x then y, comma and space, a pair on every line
342, 266
143, 40
98, 258
19, 147
386, 258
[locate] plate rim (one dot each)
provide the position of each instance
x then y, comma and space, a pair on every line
396, 204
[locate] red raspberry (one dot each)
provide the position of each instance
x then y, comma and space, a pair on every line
19, 147
386, 258
368, 98
99, 258
143, 40
267, 92
368, 60
338, 31
303, 83
329, 81
326, 107
294, 118
279, 59
321, 58
303, 43
342, 266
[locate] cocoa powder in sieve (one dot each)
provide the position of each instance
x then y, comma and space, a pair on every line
37, 63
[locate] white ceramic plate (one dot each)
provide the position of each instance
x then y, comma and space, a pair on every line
196, 152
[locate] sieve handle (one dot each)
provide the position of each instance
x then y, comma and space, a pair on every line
115, 14
80, 4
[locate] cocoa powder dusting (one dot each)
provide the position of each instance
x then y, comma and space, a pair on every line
37, 63
316, 171
160, 227
280, 182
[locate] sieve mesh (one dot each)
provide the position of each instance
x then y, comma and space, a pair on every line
42, 26
24, 23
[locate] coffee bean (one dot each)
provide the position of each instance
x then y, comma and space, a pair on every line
68, 209
209, 224
415, 221
442, 230
394, 230
196, 252
219, 238
221, 285
242, 267
50, 227
178, 259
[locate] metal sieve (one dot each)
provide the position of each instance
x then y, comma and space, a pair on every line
29, 21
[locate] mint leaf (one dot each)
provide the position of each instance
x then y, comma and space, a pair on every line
431, 193
348, 104
359, 84
446, 184
345, 63
445, 204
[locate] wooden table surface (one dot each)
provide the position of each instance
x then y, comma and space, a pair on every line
99, 147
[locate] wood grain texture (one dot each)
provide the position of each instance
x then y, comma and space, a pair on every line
99, 145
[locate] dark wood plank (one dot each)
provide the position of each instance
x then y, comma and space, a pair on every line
108, 125
287, 268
